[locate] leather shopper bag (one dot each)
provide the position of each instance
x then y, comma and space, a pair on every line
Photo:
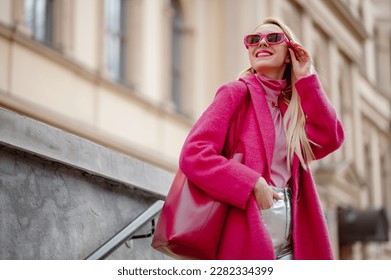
191, 222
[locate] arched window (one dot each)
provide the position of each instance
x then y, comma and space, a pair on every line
177, 26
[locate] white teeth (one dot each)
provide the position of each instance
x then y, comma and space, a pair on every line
262, 54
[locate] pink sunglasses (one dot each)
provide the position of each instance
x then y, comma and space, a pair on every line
273, 38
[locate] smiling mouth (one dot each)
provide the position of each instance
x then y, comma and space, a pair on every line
263, 54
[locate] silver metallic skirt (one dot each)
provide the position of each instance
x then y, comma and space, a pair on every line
278, 222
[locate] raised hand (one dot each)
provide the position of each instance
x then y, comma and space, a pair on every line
301, 61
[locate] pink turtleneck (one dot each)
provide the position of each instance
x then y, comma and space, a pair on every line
280, 173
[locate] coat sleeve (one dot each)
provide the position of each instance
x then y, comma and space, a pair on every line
322, 124
201, 161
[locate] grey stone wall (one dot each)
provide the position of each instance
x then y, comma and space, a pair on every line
51, 209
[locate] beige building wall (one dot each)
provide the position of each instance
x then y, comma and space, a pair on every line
68, 85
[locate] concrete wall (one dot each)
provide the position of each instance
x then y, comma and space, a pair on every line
56, 207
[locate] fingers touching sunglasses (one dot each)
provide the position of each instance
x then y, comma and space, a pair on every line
273, 38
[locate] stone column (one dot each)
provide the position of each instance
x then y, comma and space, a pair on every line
375, 169
153, 52
357, 122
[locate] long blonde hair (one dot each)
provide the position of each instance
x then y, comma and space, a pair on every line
294, 118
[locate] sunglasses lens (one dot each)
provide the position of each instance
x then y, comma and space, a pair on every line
274, 37
271, 38
253, 39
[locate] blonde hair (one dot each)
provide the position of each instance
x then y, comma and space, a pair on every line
294, 118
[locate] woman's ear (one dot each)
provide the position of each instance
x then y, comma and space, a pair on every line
288, 59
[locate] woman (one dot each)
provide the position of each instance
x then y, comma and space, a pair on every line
288, 122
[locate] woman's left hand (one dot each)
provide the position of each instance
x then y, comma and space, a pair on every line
301, 61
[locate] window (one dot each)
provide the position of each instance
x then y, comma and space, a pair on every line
177, 55
115, 38
39, 18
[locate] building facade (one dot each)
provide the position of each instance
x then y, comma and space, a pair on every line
134, 75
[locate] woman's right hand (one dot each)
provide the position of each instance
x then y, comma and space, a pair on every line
264, 194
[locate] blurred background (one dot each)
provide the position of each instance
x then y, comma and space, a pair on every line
134, 75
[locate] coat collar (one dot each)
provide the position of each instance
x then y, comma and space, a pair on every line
263, 115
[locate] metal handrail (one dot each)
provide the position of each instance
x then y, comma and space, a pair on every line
126, 233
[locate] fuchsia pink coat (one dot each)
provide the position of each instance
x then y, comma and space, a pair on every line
244, 235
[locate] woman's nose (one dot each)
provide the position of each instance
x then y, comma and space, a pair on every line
263, 42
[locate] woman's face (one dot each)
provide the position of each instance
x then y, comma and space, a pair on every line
269, 60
